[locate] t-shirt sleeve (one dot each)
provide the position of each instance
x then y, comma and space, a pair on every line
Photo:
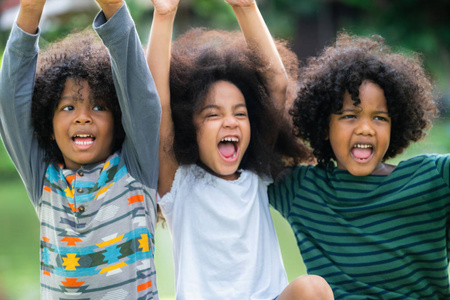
136, 91
17, 77
281, 192
443, 167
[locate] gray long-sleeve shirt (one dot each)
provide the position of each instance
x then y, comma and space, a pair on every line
97, 223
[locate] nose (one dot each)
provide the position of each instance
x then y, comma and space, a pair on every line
230, 122
83, 116
365, 127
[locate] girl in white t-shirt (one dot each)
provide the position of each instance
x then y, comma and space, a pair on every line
221, 111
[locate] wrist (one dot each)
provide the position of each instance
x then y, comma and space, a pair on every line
250, 8
165, 11
243, 6
245, 11
110, 8
29, 17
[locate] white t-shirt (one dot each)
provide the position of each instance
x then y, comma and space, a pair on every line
224, 242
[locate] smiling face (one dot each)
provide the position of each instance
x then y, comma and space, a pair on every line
360, 135
223, 129
82, 129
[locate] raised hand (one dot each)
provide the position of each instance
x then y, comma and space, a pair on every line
257, 35
164, 7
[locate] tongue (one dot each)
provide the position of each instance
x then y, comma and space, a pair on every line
361, 153
226, 149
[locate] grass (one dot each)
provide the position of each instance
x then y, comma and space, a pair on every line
19, 251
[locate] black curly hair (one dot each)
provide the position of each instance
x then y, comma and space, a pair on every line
79, 56
202, 57
343, 67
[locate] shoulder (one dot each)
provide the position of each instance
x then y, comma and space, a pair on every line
431, 166
424, 159
301, 171
185, 176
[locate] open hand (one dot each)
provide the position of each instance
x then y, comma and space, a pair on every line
164, 7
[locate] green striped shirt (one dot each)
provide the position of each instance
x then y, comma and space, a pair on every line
376, 236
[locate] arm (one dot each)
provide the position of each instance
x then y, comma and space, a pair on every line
258, 38
158, 59
136, 91
30, 13
17, 76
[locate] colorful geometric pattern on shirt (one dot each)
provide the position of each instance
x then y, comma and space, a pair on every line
97, 227
100, 258
373, 237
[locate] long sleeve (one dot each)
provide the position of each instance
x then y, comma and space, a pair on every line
138, 98
16, 89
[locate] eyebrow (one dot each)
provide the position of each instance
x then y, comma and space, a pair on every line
214, 106
352, 110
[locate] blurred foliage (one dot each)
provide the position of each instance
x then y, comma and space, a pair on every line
420, 26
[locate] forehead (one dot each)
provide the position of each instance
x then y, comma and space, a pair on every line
371, 96
78, 89
223, 93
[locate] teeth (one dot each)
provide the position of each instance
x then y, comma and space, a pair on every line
83, 135
230, 139
362, 146
84, 143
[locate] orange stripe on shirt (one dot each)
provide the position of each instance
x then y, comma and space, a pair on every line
70, 178
144, 286
136, 198
72, 282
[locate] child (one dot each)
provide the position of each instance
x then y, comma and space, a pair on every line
92, 181
371, 229
215, 158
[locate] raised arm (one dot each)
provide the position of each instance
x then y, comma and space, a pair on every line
259, 38
158, 59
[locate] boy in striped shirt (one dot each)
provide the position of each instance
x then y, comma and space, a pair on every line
371, 229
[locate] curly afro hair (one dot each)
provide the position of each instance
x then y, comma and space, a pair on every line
79, 56
202, 57
343, 67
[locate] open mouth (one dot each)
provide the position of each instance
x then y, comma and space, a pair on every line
83, 139
228, 147
362, 151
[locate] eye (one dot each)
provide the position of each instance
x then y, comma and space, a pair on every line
211, 115
380, 118
99, 108
68, 107
348, 117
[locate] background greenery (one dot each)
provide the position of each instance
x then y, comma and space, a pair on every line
308, 25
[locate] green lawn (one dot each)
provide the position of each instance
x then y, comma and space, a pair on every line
19, 251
